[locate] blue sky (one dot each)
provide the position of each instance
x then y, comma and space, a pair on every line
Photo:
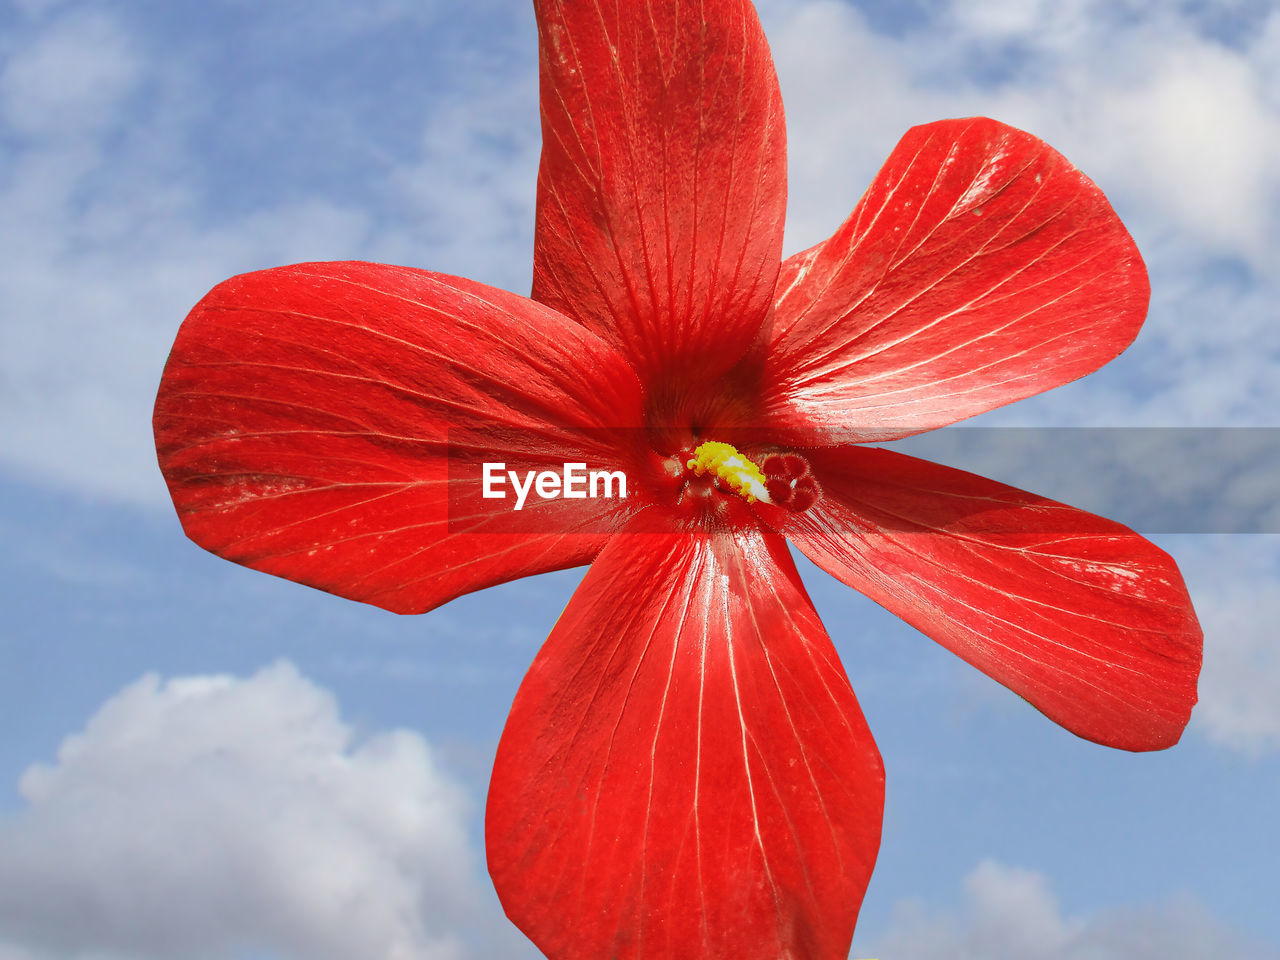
201, 761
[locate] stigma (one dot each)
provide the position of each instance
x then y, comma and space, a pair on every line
730, 468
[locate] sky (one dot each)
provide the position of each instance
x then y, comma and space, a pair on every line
204, 762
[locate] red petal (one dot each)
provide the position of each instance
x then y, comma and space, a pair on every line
979, 268
685, 772
310, 416
662, 189
1077, 614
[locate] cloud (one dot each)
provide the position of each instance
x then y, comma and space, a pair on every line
70, 80
199, 816
471, 182
129, 147
119, 214
1176, 117
1232, 583
323, 24
1181, 126
1012, 914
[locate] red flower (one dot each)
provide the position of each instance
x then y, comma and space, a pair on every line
685, 772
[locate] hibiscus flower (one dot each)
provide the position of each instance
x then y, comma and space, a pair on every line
685, 772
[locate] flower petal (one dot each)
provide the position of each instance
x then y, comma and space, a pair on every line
1077, 614
685, 772
979, 268
662, 189
321, 422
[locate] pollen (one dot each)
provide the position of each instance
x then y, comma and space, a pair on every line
731, 468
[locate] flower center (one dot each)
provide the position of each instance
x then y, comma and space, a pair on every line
731, 468
789, 482
780, 479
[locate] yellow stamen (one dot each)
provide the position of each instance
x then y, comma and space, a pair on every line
731, 467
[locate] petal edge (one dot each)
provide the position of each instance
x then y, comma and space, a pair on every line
310, 418
662, 185
685, 772
980, 267
1080, 616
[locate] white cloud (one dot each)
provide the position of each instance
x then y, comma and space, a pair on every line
71, 79
37, 8
1180, 128
1050, 21
472, 181
1169, 120
1232, 582
319, 24
1202, 142
200, 816
111, 231
1012, 914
